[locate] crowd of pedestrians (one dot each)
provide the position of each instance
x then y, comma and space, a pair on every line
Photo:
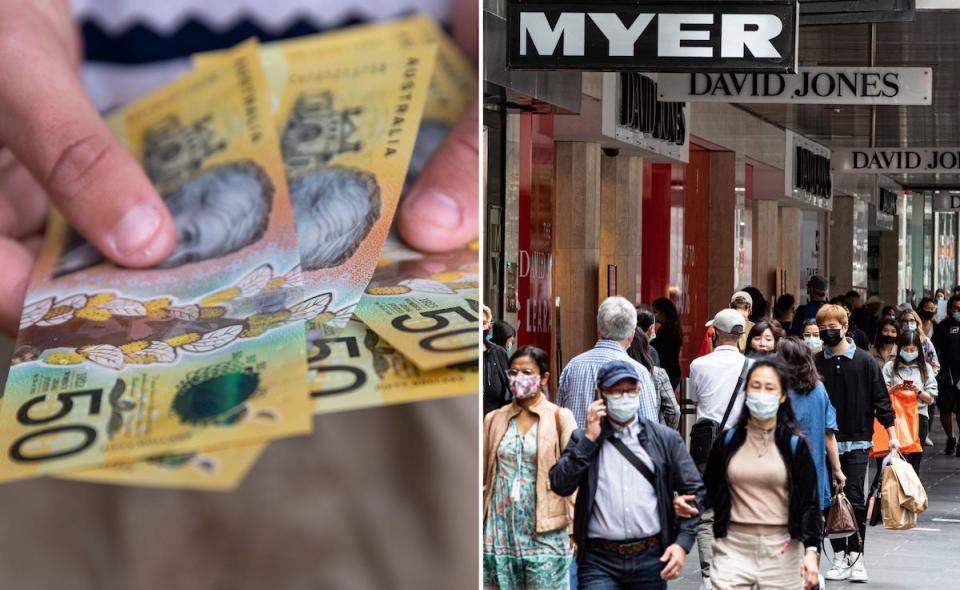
594, 487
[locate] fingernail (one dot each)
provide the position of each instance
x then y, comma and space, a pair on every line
438, 210
132, 235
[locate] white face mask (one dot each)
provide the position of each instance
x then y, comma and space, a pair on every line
762, 406
623, 408
813, 342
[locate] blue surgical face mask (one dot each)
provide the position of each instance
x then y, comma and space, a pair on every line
909, 356
910, 327
956, 316
762, 406
623, 408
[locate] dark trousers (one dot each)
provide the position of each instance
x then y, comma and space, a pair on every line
605, 570
854, 466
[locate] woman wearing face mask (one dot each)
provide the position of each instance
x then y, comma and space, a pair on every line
504, 335
884, 347
910, 322
811, 335
763, 338
763, 482
909, 373
927, 310
526, 541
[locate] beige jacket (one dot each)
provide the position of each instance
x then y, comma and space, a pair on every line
553, 511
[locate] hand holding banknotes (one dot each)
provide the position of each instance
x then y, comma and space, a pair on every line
55, 148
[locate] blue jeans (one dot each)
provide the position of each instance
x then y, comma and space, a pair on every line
605, 570
573, 574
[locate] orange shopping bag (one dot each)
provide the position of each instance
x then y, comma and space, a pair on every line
907, 425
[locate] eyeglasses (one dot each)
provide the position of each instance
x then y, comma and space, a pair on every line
616, 395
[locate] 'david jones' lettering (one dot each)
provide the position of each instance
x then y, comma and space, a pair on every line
642, 111
883, 160
750, 84
848, 84
944, 160
739, 33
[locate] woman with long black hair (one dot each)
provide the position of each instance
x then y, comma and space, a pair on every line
668, 409
763, 483
669, 338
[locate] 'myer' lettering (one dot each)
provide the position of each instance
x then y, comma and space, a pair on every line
677, 35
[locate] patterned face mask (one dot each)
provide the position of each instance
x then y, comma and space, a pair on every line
524, 386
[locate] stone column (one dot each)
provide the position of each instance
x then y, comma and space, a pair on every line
721, 268
576, 243
765, 247
891, 270
621, 184
840, 250
788, 256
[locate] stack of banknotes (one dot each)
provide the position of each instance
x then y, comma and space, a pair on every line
287, 294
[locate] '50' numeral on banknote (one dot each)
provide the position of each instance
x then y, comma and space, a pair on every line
433, 342
66, 406
357, 376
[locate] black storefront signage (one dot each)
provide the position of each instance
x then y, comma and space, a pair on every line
678, 36
811, 85
811, 173
887, 202
641, 111
945, 160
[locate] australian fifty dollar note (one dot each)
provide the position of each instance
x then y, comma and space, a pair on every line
207, 350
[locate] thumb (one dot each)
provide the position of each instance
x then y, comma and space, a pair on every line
440, 213
54, 130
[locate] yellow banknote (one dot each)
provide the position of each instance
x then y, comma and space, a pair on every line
453, 84
353, 368
207, 350
425, 305
216, 470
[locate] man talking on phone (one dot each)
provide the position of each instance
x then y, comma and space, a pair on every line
627, 469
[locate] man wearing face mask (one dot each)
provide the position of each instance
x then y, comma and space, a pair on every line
857, 390
496, 390
627, 470
616, 325
946, 339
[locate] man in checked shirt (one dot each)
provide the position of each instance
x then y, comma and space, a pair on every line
616, 323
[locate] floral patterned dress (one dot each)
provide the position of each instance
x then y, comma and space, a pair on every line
515, 556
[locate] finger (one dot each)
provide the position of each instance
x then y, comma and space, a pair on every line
440, 213
54, 130
464, 26
23, 203
18, 261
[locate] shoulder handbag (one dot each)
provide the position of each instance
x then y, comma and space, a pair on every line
705, 432
634, 460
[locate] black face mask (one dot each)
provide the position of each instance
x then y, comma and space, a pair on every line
926, 314
888, 340
831, 337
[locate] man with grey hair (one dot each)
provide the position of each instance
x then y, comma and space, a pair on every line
616, 324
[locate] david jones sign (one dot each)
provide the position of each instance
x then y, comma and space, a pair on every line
808, 86
653, 36
896, 160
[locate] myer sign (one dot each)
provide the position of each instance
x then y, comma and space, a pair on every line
896, 160
676, 36
815, 85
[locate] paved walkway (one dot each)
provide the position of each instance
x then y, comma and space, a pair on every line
924, 558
